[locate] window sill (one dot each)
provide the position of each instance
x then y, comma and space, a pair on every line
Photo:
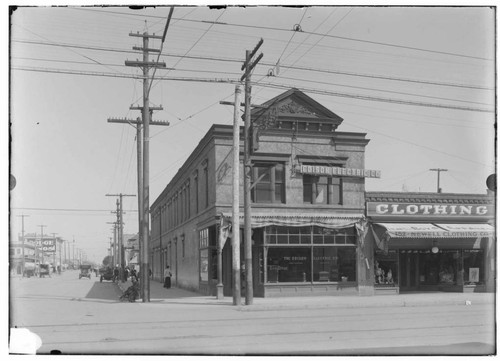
317, 283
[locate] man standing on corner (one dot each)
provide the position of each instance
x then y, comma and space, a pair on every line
167, 277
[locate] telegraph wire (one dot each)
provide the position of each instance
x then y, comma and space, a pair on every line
382, 90
219, 59
276, 86
68, 209
317, 27
295, 31
421, 146
197, 41
314, 33
386, 100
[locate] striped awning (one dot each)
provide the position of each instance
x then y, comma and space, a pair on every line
326, 220
432, 230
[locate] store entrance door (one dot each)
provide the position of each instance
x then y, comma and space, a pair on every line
408, 263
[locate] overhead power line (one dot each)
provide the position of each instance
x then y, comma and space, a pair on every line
307, 32
219, 59
68, 209
269, 85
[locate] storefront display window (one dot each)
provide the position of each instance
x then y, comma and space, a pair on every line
334, 264
473, 266
324, 263
289, 265
208, 255
386, 268
439, 268
204, 265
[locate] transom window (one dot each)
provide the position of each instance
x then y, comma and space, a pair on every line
309, 235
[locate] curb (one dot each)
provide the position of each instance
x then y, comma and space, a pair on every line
296, 303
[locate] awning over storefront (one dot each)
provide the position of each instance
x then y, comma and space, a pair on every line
432, 230
410, 233
327, 220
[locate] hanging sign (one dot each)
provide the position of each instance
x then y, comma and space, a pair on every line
338, 171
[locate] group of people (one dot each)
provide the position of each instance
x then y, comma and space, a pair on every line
128, 272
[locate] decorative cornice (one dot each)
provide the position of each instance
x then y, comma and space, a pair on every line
429, 198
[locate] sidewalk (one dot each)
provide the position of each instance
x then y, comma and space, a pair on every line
158, 294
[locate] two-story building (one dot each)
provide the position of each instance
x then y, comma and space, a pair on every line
308, 186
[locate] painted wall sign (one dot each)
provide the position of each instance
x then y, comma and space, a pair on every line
429, 210
46, 245
338, 171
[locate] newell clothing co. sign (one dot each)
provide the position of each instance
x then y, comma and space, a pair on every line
429, 210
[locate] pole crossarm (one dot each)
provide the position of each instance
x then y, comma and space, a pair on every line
261, 41
138, 107
149, 64
223, 102
252, 65
137, 121
151, 50
145, 35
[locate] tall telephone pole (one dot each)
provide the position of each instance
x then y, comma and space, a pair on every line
438, 170
112, 244
55, 245
121, 254
137, 124
41, 227
248, 67
146, 64
23, 263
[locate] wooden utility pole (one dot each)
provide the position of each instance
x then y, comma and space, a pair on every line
248, 67
112, 246
61, 243
235, 239
145, 64
438, 170
121, 251
55, 250
23, 263
137, 124
41, 242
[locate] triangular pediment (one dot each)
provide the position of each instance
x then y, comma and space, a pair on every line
294, 108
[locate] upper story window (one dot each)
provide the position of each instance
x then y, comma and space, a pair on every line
268, 182
206, 185
195, 192
322, 189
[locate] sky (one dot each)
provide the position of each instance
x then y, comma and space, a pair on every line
419, 81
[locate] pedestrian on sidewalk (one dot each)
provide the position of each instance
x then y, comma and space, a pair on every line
167, 275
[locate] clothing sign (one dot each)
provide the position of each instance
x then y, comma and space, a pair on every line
429, 210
